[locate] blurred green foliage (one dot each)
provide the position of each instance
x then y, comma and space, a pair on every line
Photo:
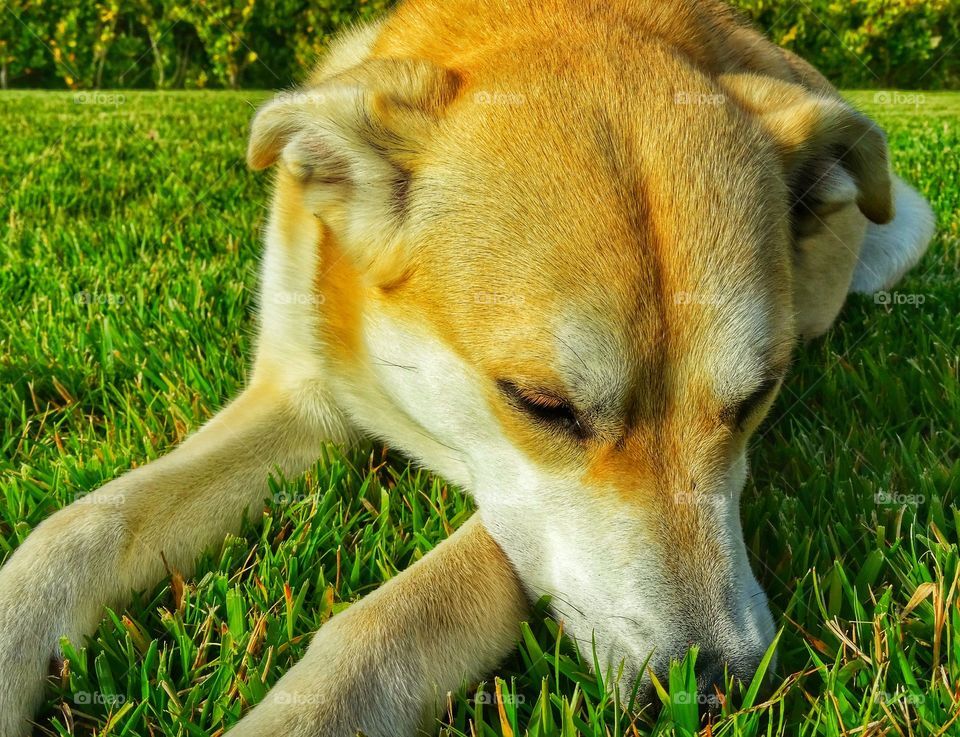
168, 44
173, 44
912, 44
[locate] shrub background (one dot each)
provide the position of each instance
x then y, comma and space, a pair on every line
173, 44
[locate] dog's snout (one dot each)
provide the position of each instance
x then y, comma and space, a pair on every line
711, 673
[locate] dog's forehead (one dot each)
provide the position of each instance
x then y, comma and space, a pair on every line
607, 360
604, 255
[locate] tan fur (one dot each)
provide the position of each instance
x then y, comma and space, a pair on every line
636, 207
390, 659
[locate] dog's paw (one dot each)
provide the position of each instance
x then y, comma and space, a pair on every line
21, 692
27, 645
355, 678
49, 588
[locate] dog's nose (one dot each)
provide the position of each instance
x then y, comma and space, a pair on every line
712, 671
711, 682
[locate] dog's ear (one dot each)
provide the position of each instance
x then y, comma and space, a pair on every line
836, 167
814, 133
352, 142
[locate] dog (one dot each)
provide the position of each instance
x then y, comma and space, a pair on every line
561, 253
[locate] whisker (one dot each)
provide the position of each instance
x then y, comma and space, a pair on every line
554, 595
381, 362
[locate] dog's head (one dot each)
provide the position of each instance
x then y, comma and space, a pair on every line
578, 299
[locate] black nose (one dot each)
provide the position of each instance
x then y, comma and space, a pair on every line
713, 672
711, 682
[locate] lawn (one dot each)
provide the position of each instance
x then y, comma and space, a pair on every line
129, 260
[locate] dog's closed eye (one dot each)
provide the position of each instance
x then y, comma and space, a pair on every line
739, 414
544, 407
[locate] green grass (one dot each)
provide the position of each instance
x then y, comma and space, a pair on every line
144, 208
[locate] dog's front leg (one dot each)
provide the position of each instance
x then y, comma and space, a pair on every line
98, 550
383, 666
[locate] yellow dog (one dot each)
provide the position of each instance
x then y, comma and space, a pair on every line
558, 251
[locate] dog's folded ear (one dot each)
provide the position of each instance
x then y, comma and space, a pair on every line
352, 141
815, 133
855, 226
